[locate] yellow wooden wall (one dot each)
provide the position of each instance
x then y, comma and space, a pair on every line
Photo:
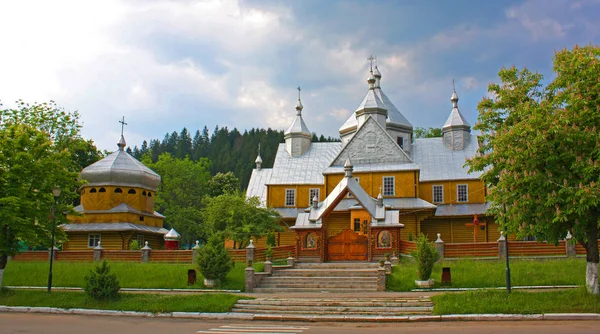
455, 230
122, 217
405, 182
411, 226
336, 222
476, 191
109, 199
362, 215
111, 240
276, 195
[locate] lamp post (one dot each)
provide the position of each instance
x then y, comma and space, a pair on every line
55, 193
506, 243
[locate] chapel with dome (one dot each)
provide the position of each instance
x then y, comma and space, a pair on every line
117, 205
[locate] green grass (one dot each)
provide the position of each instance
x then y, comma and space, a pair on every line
517, 302
208, 302
130, 275
492, 273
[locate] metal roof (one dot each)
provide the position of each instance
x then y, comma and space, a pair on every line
371, 101
374, 167
461, 209
305, 169
455, 119
438, 162
257, 184
289, 212
120, 169
121, 208
111, 227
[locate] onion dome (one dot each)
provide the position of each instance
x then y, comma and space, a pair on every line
172, 235
456, 119
120, 169
456, 132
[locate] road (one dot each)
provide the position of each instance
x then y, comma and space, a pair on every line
20, 323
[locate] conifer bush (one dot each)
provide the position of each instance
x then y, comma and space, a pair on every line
426, 257
101, 284
214, 260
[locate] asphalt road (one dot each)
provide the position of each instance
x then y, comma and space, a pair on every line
20, 323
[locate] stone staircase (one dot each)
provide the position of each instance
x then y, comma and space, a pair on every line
322, 277
335, 307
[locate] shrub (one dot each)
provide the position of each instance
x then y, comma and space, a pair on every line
134, 245
101, 284
269, 253
213, 260
271, 239
426, 257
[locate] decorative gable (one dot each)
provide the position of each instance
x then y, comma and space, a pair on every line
371, 144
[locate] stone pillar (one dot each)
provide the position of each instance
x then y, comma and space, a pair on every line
195, 250
387, 265
439, 246
502, 246
250, 251
249, 282
381, 277
98, 252
394, 259
290, 261
268, 267
570, 245
146, 252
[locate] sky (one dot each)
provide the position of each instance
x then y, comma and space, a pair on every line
165, 65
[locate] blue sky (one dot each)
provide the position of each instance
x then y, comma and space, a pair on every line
165, 65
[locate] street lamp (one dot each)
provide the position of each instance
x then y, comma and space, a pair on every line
55, 193
506, 246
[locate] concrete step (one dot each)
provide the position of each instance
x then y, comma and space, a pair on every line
349, 312
326, 273
322, 279
338, 265
319, 309
302, 290
320, 286
338, 302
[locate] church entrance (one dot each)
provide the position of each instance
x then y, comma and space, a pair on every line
347, 246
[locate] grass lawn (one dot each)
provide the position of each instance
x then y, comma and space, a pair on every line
491, 273
130, 275
517, 302
207, 302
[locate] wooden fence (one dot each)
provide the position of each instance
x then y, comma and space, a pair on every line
483, 249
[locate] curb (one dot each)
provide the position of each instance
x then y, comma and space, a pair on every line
66, 288
306, 318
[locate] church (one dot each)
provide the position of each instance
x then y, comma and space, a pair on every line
355, 200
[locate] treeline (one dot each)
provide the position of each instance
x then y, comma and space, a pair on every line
227, 150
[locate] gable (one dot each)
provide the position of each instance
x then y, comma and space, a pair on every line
371, 144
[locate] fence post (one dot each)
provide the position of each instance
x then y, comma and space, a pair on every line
439, 246
268, 266
250, 251
98, 252
502, 246
195, 250
146, 253
381, 277
569, 246
53, 254
249, 281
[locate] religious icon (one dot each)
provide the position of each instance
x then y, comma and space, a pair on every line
384, 239
310, 241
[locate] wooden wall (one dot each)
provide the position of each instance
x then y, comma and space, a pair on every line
336, 222
405, 182
276, 195
111, 240
475, 188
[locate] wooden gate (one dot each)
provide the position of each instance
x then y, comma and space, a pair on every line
347, 246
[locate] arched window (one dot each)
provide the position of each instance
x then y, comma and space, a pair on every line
131, 191
144, 193
149, 194
310, 242
93, 190
102, 190
384, 239
118, 190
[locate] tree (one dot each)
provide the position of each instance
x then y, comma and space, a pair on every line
36, 154
214, 260
239, 218
427, 132
223, 183
180, 193
540, 152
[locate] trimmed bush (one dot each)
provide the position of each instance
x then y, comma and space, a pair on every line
214, 260
426, 257
271, 240
101, 284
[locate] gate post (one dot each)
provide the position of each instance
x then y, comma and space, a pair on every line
439, 246
569, 246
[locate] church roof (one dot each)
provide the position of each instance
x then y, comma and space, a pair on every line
305, 169
461, 209
455, 119
120, 169
371, 101
109, 227
297, 126
438, 163
121, 208
257, 185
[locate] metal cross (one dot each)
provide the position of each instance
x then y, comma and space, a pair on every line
122, 124
370, 59
453, 88
259, 149
299, 92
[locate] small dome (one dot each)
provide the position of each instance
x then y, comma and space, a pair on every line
172, 235
120, 169
258, 160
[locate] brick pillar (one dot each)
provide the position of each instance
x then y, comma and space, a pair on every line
381, 277
439, 246
195, 250
249, 281
290, 261
268, 267
98, 252
502, 246
394, 259
250, 251
146, 253
387, 266
570, 245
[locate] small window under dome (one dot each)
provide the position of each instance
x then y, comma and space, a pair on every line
93, 190
144, 193
131, 191
118, 190
102, 190
149, 194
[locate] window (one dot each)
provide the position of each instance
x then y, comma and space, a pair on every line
462, 193
141, 218
144, 193
93, 240
290, 197
384, 239
356, 225
140, 240
388, 186
149, 194
314, 192
102, 190
93, 190
400, 141
118, 190
438, 194
131, 191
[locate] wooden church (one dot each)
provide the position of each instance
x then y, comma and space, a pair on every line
355, 200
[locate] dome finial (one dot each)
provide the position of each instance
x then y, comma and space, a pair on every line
454, 98
258, 160
299, 106
121, 144
377, 75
